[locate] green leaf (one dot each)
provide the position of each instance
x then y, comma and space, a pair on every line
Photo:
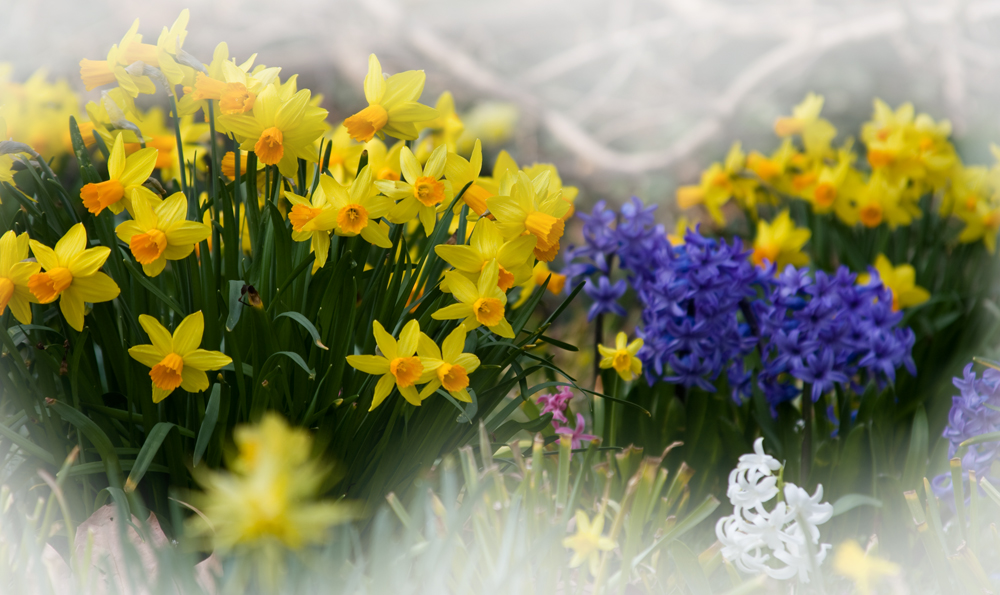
208, 424
310, 328
916, 457
152, 288
235, 305
26, 445
295, 358
507, 430
690, 569
146, 454
852, 501
97, 437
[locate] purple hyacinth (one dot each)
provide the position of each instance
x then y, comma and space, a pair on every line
605, 296
973, 414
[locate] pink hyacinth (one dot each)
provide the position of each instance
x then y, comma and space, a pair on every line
576, 434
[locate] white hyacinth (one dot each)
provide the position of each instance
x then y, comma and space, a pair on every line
772, 542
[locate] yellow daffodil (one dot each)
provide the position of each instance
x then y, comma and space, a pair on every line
71, 276
514, 257
719, 183
14, 276
816, 132
981, 223
451, 367
878, 201
307, 224
622, 357
176, 360
354, 210
125, 173
862, 568
393, 108
479, 304
97, 73
505, 164
525, 205
903, 145
384, 162
228, 165
541, 272
161, 233
422, 191
588, 542
279, 132
901, 280
398, 365
780, 242
236, 90
462, 172
270, 496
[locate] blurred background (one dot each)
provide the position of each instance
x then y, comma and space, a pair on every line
625, 96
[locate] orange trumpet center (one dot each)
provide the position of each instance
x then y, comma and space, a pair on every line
363, 125
489, 311
167, 373
48, 285
236, 99
99, 196
429, 191
300, 215
147, 247
406, 370
352, 218
871, 215
268, 148
6, 292
453, 377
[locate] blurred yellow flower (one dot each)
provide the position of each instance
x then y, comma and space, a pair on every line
719, 183
176, 360
160, 233
816, 132
780, 242
864, 569
393, 108
588, 542
71, 275
14, 276
901, 280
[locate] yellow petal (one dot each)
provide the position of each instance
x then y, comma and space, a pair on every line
138, 167
87, 262
202, 359
95, 288
71, 244
369, 364
463, 258
374, 81
116, 158
193, 380
409, 166
159, 336
146, 355
187, 335
453, 344
71, 306
409, 338
44, 255
385, 342
382, 390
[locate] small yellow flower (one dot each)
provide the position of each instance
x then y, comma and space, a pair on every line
71, 275
780, 242
398, 365
14, 276
422, 193
356, 210
271, 493
126, 175
479, 304
486, 244
160, 233
451, 367
901, 280
526, 205
279, 131
176, 360
982, 222
393, 108
307, 225
236, 91
461, 171
719, 183
588, 542
852, 561
622, 357
816, 132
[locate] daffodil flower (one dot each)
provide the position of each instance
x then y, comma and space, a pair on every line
422, 192
816, 132
14, 276
71, 276
383, 161
97, 73
461, 172
279, 132
588, 542
176, 360
479, 304
900, 280
530, 207
780, 242
355, 210
393, 108
451, 367
622, 357
486, 244
161, 233
237, 91
398, 365
125, 173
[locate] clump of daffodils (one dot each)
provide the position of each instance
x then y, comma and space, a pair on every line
269, 497
783, 542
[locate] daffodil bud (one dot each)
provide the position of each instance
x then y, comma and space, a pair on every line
117, 116
10, 147
190, 61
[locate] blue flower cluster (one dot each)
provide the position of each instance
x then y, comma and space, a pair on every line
825, 330
707, 308
974, 411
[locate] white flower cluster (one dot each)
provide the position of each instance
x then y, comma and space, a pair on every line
772, 542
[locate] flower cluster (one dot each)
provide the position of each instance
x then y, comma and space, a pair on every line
975, 411
824, 330
773, 542
908, 156
558, 406
706, 308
